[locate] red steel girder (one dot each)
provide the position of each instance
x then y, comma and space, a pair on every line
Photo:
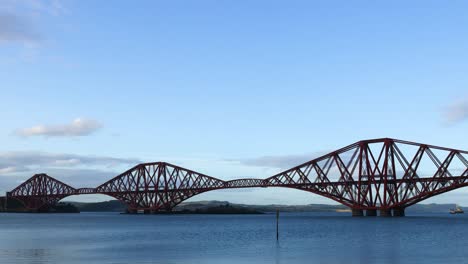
380, 173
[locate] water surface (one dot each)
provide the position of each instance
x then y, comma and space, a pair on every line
304, 238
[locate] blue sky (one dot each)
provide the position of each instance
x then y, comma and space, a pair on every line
212, 85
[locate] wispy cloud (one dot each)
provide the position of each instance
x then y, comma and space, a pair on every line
8, 169
14, 28
52, 7
35, 7
21, 25
80, 178
457, 112
281, 162
76, 170
25, 161
78, 127
76, 177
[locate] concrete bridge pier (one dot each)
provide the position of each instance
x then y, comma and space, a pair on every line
357, 212
385, 212
399, 211
147, 211
371, 212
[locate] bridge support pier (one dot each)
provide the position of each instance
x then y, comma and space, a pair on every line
6, 201
385, 212
399, 211
357, 212
146, 211
371, 212
132, 211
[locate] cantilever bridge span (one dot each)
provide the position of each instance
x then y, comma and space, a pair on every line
385, 175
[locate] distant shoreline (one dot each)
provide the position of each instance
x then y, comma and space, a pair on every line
217, 207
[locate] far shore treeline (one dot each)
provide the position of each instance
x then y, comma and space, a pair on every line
207, 207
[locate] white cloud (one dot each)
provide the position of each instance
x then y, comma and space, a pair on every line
78, 127
9, 169
457, 112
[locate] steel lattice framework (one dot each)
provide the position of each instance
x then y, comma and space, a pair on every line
158, 186
375, 174
41, 190
379, 174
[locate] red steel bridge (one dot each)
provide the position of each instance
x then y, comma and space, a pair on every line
378, 175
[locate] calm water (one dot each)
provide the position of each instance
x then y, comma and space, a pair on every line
304, 238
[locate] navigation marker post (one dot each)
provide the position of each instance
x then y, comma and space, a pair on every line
277, 226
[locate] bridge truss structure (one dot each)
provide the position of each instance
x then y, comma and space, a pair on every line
385, 175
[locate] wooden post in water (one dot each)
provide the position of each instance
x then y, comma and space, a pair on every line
277, 226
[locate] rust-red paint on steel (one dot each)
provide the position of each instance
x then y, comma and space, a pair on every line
371, 174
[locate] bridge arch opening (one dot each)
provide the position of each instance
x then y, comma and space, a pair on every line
451, 195
95, 202
262, 196
252, 196
88, 198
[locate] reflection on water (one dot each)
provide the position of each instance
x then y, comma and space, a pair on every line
26, 255
304, 238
